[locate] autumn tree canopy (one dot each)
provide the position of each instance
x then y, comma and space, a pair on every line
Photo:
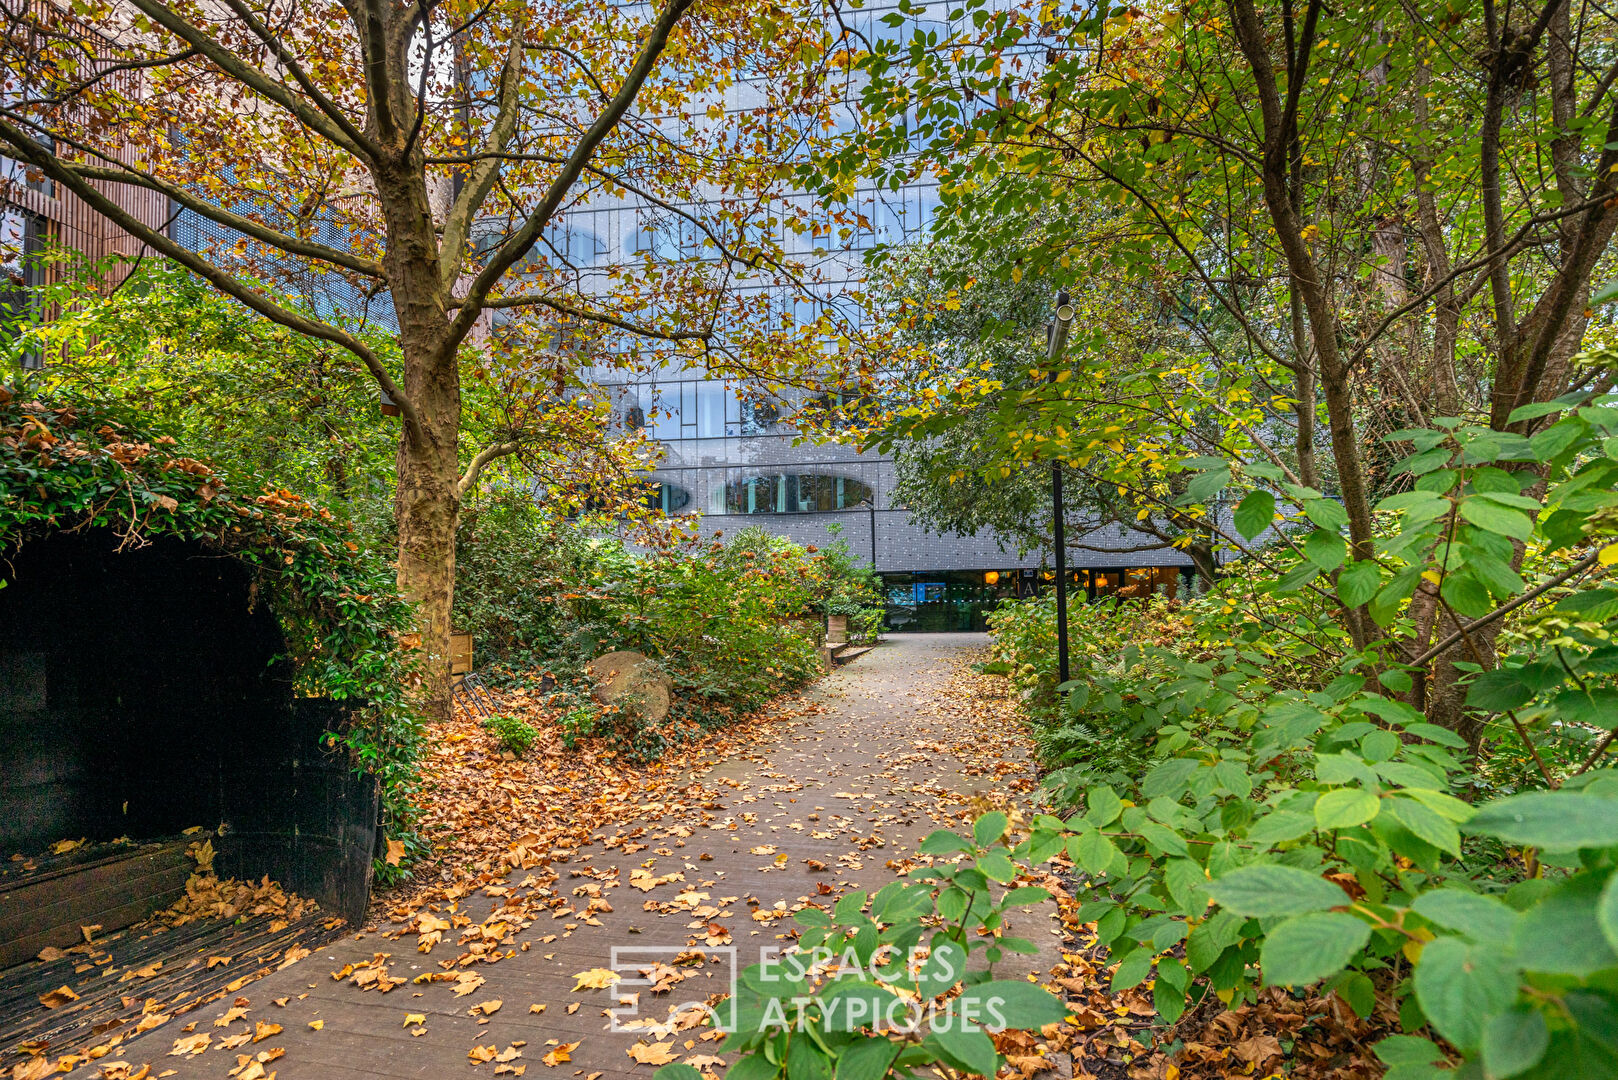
428, 156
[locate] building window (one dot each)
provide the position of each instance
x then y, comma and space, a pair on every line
22, 245
794, 494
669, 498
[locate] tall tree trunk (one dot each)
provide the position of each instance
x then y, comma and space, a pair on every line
426, 510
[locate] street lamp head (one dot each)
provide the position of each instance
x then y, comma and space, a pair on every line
1065, 311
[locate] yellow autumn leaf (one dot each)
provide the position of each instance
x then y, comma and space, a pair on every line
595, 979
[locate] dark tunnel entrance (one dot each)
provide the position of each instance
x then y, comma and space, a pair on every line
140, 697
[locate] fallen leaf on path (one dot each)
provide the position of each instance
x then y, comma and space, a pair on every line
653, 1053
55, 999
562, 1053
191, 1044
595, 979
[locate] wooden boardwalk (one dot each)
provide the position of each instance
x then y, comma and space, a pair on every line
822, 808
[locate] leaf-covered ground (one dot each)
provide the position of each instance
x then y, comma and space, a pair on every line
501, 962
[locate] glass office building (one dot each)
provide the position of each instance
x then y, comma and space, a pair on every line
741, 464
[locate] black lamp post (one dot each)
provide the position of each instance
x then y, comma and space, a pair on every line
1058, 341
870, 507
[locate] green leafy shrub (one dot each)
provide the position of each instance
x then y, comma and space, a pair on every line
1297, 818
511, 734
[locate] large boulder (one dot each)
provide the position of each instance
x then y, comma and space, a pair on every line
629, 677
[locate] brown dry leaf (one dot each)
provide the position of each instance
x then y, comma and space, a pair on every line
262, 1031
151, 1020
191, 1044
653, 1053
595, 979
232, 1015
562, 1053
488, 1008
411, 1019
55, 999
536, 1008
316, 1025
216, 961
1257, 1049
396, 851
466, 982
49, 953
573, 1007
231, 1042
479, 1054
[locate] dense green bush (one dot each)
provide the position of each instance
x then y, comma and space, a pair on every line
731, 620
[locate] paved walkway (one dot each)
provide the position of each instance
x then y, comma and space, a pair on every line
823, 806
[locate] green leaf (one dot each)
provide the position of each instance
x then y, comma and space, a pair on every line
863, 1059
1534, 409
1358, 582
971, 1049
807, 1061
1359, 992
1132, 970
998, 866
1169, 777
1499, 690
1408, 1050
1466, 594
1206, 485
1492, 517
1561, 933
1254, 513
1162, 838
1297, 577
942, 969
1271, 889
1325, 549
1091, 850
1481, 918
989, 828
1279, 827
851, 1004
1308, 948
1555, 820
677, 1071
1011, 1003
1593, 605
1103, 806
1607, 911
1425, 823
942, 842
1326, 513
1514, 1041
1344, 808
1460, 987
